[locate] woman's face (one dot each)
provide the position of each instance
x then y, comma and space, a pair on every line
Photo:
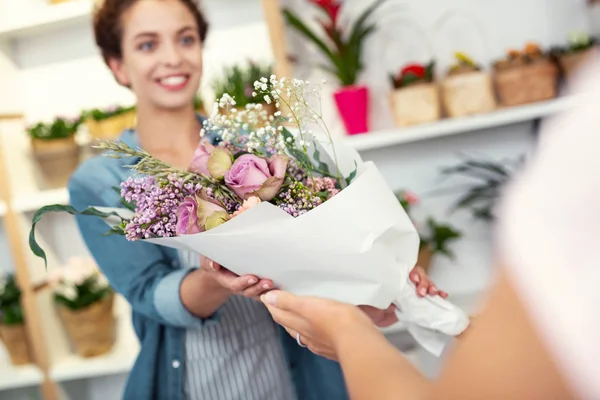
162, 53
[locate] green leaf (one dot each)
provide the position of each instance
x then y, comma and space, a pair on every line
352, 175
320, 164
441, 236
37, 217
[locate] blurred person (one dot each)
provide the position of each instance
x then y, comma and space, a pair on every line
203, 335
537, 337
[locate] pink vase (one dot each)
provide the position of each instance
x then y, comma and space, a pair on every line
353, 105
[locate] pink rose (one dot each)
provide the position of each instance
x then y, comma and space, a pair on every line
199, 164
248, 204
251, 175
187, 217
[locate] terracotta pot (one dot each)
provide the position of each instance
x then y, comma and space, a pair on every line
16, 343
57, 159
416, 104
425, 257
353, 105
111, 128
92, 329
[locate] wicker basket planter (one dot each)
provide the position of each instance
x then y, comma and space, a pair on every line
570, 63
416, 104
467, 93
16, 343
526, 77
111, 128
92, 329
57, 159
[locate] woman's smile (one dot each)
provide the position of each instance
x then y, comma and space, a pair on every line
174, 82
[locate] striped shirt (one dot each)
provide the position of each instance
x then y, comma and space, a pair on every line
240, 358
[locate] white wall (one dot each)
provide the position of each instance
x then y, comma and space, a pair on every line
61, 73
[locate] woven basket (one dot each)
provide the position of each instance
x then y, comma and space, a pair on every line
468, 93
16, 343
92, 329
57, 159
425, 257
111, 128
527, 83
416, 104
572, 62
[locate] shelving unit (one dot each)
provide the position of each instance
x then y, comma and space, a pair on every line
15, 377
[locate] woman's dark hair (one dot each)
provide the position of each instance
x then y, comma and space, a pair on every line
108, 29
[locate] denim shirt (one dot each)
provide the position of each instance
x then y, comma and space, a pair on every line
149, 277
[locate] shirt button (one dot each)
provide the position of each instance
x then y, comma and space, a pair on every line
176, 364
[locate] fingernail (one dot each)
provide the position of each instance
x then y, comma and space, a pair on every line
266, 286
422, 291
270, 298
252, 281
417, 278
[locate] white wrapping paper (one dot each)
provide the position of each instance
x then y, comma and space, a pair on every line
358, 247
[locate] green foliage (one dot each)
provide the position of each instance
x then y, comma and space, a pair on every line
577, 42
11, 311
101, 114
60, 128
490, 179
88, 293
238, 82
409, 76
343, 52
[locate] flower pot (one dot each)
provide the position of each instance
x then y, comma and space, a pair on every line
416, 104
16, 343
353, 105
92, 329
572, 62
468, 93
527, 82
111, 128
424, 258
57, 159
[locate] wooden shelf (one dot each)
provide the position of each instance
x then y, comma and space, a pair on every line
44, 18
455, 126
15, 377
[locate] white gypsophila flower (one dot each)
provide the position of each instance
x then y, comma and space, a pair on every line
101, 282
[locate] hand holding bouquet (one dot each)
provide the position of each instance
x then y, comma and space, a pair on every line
287, 204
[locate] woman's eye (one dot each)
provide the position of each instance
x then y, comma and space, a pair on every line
146, 46
188, 40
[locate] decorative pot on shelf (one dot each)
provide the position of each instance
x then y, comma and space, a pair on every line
91, 329
15, 340
570, 63
526, 77
353, 106
57, 159
416, 104
112, 127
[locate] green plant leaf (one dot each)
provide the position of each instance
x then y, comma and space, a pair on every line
321, 166
37, 217
352, 175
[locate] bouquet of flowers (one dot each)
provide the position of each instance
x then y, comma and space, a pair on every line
282, 203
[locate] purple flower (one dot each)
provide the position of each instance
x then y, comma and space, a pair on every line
187, 217
251, 174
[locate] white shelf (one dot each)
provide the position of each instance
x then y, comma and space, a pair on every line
119, 360
454, 126
44, 18
33, 201
14, 377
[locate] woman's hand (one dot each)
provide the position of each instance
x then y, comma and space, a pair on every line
321, 323
246, 285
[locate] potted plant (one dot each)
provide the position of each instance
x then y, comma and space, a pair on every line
238, 82
467, 89
108, 123
490, 177
435, 237
84, 300
570, 57
55, 150
12, 321
526, 76
342, 47
415, 98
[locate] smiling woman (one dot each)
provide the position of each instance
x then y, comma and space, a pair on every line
202, 333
